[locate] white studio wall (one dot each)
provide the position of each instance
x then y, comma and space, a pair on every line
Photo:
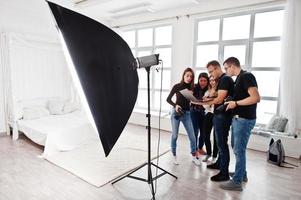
30, 16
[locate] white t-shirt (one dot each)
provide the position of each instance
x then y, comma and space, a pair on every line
207, 107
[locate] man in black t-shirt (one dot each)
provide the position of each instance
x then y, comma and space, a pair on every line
243, 106
221, 120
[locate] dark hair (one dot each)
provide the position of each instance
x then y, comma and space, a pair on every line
232, 61
214, 63
203, 75
188, 69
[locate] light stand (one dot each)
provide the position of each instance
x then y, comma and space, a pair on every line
150, 179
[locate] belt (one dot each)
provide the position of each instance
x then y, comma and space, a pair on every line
236, 116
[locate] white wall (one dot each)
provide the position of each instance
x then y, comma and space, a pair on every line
25, 17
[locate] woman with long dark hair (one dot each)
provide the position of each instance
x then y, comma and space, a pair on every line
181, 113
197, 111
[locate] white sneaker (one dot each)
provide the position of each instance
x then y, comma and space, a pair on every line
195, 160
175, 160
206, 158
213, 160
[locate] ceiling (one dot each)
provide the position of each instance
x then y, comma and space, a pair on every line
127, 11
118, 12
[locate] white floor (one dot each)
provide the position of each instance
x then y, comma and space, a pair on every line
25, 176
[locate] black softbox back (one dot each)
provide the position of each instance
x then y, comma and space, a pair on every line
103, 62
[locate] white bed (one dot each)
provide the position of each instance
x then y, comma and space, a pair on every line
59, 132
36, 72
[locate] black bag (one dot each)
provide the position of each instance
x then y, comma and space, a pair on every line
276, 154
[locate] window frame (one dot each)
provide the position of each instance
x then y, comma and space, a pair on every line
152, 49
249, 42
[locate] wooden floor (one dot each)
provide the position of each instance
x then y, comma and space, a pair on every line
25, 176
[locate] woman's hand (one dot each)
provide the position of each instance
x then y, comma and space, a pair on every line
206, 99
178, 109
197, 103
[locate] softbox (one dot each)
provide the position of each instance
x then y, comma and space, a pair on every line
104, 65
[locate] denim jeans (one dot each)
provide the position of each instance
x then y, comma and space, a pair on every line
241, 131
175, 123
222, 123
197, 118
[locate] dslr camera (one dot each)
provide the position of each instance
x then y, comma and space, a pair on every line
222, 108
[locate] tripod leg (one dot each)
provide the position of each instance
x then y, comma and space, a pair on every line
150, 181
164, 171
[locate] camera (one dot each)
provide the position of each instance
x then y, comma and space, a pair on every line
222, 108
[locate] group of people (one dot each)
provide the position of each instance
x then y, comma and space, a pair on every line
221, 104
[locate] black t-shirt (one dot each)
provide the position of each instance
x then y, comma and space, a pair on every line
181, 100
243, 82
224, 83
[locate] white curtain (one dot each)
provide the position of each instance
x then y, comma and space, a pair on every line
290, 84
34, 67
4, 49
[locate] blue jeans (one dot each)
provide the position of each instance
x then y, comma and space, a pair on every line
222, 123
175, 123
241, 131
197, 118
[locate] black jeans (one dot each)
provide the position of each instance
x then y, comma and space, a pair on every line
207, 128
222, 123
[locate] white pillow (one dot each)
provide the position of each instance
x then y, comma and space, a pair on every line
70, 107
34, 112
56, 107
277, 123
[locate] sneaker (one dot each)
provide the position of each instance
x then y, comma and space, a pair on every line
206, 158
244, 179
213, 166
230, 185
195, 160
220, 177
214, 159
175, 160
201, 152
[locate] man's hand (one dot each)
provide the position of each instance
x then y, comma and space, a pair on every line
231, 105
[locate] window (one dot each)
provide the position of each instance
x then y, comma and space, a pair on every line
236, 27
208, 30
255, 39
238, 51
206, 53
147, 41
